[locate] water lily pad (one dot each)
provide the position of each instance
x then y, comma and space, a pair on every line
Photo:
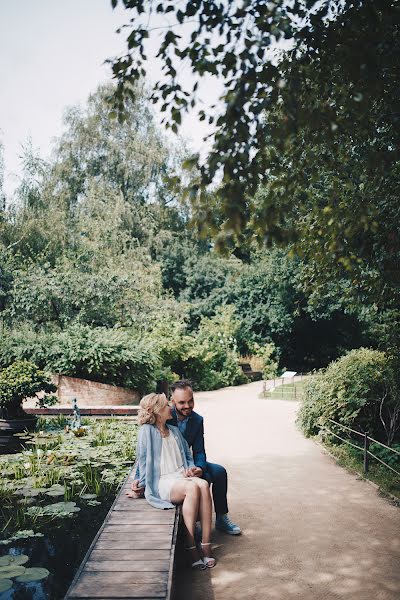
55, 492
23, 534
88, 496
5, 584
33, 574
11, 571
13, 559
69, 507
57, 509
26, 501
19, 559
27, 492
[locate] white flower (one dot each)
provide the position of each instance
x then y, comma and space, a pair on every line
27, 465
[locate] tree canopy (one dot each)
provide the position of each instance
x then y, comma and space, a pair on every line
306, 141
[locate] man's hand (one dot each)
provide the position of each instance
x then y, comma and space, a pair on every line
194, 472
137, 492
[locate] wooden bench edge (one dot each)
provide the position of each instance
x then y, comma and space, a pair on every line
89, 550
170, 584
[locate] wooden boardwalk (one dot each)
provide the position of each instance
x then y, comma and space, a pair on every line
132, 555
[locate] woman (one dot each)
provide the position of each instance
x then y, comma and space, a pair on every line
165, 468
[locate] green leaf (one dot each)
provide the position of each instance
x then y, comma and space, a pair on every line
11, 571
33, 574
5, 584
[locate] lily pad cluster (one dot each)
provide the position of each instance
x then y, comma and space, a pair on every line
12, 567
61, 509
60, 473
23, 534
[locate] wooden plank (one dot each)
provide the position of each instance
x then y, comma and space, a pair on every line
103, 578
141, 529
171, 572
129, 504
132, 555
147, 590
145, 544
124, 565
138, 536
119, 518
126, 505
129, 557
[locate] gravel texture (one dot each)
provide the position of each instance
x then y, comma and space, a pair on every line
311, 530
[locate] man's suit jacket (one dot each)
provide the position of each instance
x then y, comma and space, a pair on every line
194, 435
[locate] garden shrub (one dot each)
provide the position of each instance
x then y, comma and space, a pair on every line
106, 355
118, 356
24, 343
21, 380
353, 391
112, 356
214, 359
266, 354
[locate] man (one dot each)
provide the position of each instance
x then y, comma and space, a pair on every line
191, 427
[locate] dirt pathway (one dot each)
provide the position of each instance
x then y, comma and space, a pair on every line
311, 531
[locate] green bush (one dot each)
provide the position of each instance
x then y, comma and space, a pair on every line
107, 355
358, 390
24, 343
213, 361
22, 380
267, 353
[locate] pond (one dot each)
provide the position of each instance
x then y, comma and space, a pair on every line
54, 496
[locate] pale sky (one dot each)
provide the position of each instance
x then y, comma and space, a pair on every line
51, 56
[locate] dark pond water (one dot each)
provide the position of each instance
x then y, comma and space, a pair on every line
61, 551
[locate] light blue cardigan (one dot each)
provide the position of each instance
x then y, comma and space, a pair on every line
149, 455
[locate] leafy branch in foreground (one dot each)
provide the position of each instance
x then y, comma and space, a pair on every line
236, 43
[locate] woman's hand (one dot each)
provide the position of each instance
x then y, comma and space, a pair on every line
137, 492
194, 472
133, 495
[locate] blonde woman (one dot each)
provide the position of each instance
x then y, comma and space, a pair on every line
165, 470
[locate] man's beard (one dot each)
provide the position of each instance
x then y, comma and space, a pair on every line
179, 412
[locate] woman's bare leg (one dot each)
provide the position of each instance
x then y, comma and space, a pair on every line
187, 493
205, 509
205, 518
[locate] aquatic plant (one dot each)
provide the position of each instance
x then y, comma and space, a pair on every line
11, 566
82, 471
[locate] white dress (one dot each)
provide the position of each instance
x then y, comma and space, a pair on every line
171, 466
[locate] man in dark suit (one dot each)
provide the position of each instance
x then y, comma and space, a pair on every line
191, 427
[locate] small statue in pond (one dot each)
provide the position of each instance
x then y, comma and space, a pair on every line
76, 421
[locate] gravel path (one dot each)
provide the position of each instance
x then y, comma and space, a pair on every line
311, 530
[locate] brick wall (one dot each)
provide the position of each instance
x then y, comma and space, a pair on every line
92, 393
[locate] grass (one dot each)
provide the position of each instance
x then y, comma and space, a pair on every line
352, 460
288, 391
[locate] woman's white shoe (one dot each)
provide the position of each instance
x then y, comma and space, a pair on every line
209, 561
198, 565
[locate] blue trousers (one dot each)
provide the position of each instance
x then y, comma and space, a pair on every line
217, 475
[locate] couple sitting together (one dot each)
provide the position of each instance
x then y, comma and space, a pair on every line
167, 474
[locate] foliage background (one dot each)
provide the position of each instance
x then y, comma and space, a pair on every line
109, 268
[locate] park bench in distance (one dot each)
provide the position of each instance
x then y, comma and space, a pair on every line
133, 554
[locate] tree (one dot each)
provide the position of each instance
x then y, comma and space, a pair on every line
314, 131
235, 42
130, 156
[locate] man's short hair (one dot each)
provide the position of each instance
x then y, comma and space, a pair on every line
182, 384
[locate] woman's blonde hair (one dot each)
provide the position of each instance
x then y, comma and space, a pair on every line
150, 406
